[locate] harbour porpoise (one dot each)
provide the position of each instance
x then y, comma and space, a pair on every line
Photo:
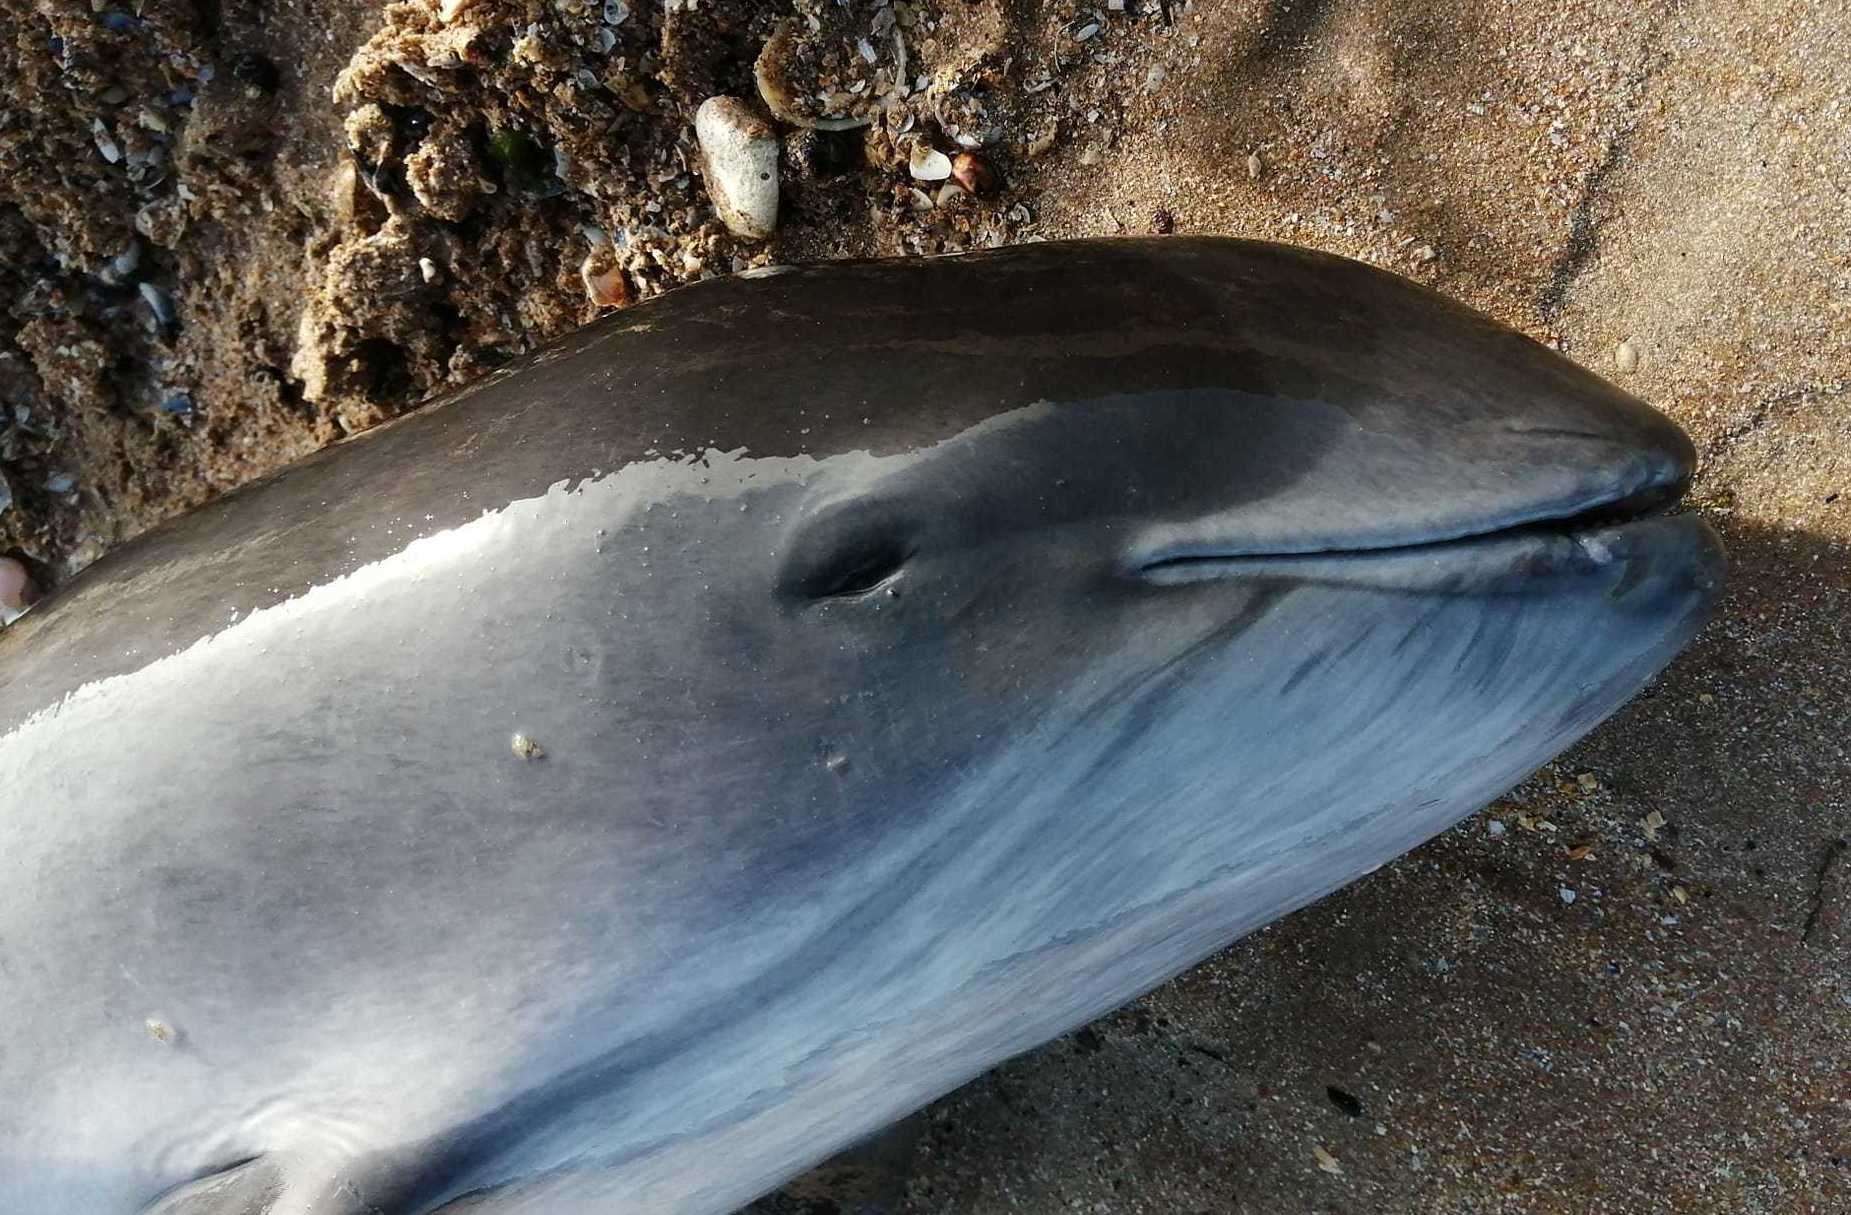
624, 783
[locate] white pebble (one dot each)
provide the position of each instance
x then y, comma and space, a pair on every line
740, 152
1626, 357
1567, 893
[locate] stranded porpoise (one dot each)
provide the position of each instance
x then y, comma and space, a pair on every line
624, 783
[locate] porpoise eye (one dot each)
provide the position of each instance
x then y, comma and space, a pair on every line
856, 569
848, 550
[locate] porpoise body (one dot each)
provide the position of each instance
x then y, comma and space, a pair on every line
622, 784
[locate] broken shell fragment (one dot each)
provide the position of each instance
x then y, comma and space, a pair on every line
927, 163
786, 72
739, 151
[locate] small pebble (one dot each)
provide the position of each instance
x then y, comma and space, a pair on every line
16, 590
927, 163
605, 284
527, 748
1425, 253
1327, 1163
1495, 828
1567, 893
428, 269
1626, 357
1254, 166
740, 152
60, 483
974, 173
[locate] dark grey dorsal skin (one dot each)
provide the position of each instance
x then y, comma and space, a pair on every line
928, 657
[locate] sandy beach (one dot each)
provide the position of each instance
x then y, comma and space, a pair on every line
233, 233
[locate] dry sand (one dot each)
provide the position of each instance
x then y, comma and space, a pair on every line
1451, 1035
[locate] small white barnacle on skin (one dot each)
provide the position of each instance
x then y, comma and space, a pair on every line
162, 1031
527, 748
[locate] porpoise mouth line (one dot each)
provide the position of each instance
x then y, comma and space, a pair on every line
1637, 506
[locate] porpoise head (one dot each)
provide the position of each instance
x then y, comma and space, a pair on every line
1129, 635
981, 642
